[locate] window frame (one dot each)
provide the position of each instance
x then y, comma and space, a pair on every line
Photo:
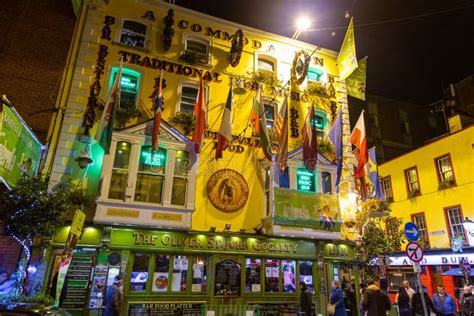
146, 44
422, 215
201, 39
113, 69
276, 108
448, 225
438, 171
390, 197
268, 58
407, 182
191, 84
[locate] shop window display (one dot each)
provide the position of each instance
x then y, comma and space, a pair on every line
272, 275
139, 274
180, 272
289, 276
161, 274
199, 274
253, 275
306, 274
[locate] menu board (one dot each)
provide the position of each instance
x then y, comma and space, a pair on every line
77, 281
228, 278
166, 309
276, 309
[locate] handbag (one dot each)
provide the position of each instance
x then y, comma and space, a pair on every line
331, 309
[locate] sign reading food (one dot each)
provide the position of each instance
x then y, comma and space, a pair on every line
227, 190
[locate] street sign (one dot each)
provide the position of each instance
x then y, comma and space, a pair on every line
416, 267
414, 252
412, 232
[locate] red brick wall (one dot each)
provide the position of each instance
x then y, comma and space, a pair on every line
34, 42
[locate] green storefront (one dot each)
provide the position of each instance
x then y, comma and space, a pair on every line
168, 273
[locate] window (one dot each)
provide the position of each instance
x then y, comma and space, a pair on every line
413, 186
272, 275
118, 181
161, 274
321, 123
444, 169
289, 276
455, 226
180, 180
199, 274
151, 175
196, 50
139, 274
129, 86
306, 274
253, 275
387, 188
326, 182
420, 221
270, 110
265, 65
189, 94
285, 178
133, 34
180, 273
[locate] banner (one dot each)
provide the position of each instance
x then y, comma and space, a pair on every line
77, 223
316, 211
63, 267
20, 150
356, 82
347, 59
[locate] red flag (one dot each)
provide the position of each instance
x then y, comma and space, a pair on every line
225, 132
310, 140
158, 107
200, 115
359, 140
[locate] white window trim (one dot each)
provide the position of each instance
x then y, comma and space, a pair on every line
202, 39
147, 35
193, 84
269, 57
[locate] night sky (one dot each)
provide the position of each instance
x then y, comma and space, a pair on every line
410, 60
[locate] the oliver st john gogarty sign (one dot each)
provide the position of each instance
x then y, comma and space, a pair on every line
166, 241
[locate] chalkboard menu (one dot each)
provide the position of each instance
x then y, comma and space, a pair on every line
74, 293
276, 309
166, 309
228, 278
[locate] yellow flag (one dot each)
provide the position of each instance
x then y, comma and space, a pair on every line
347, 59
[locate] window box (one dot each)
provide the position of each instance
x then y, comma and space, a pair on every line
194, 58
196, 50
445, 184
413, 194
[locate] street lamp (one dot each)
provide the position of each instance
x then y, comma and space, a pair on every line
302, 24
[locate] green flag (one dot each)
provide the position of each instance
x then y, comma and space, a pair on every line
356, 82
264, 138
347, 59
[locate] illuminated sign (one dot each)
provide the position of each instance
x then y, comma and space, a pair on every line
156, 160
305, 180
128, 83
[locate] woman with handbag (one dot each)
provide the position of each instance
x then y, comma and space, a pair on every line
336, 301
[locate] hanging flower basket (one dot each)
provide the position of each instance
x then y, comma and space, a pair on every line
316, 88
185, 120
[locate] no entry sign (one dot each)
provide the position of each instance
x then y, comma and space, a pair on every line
414, 252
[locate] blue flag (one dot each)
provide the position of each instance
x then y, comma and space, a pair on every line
374, 176
335, 135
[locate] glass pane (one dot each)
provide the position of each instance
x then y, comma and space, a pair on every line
118, 183
133, 34
272, 275
265, 65
140, 272
196, 46
152, 162
306, 274
284, 179
199, 274
188, 98
181, 164
161, 273
180, 272
149, 188
289, 276
269, 111
326, 182
252, 275
178, 195
122, 155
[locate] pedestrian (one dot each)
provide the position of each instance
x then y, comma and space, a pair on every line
403, 301
337, 299
113, 298
5, 283
350, 300
443, 303
376, 302
361, 302
417, 304
305, 300
408, 289
467, 301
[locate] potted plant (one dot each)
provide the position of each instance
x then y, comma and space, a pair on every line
413, 193
445, 184
192, 57
316, 88
125, 113
185, 120
268, 78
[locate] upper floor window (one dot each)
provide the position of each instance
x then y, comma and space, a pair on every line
420, 221
387, 188
285, 178
270, 112
413, 184
150, 175
266, 64
133, 33
118, 180
129, 86
455, 222
444, 169
321, 123
189, 94
326, 182
196, 50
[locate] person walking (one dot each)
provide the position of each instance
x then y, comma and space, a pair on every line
443, 303
337, 299
417, 303
305, 300
376, 302
113, 298
467, 301
350, 301
403, 301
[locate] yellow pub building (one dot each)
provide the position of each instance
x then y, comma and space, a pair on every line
189, 233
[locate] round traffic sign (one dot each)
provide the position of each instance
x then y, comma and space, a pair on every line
412, 232
414, 252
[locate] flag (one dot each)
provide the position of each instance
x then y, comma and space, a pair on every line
200, 115
106, 124
359, 140
309, 140
254, 116
347, 59
158, 107
224, 137
281, 126
262, 124
356, 82
335, 135
374, 176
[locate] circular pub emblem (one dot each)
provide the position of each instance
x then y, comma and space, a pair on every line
227, 190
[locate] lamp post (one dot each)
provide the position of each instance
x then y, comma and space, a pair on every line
302, 24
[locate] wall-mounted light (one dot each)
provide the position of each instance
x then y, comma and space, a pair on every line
212, 229
84, 159
259, 229
227, 228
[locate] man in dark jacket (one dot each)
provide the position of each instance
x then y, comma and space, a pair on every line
305, 300
113, 298
376, 302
